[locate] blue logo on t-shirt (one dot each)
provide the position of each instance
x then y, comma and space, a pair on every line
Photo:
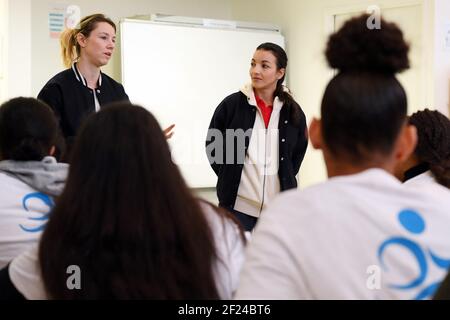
48, 201
415, 224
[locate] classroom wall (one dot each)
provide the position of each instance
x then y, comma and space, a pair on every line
33, 57
48, 49
305, 25
17, 44
3, 47
31, 48
440, 21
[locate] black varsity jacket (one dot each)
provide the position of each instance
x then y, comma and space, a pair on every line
72, 101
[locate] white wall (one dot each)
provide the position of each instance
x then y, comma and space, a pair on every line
18, 48
46, 59
441, 58
3, 47
305, 24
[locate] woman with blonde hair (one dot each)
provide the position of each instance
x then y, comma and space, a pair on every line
82, 88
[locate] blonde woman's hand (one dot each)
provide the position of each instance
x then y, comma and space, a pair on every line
168, 131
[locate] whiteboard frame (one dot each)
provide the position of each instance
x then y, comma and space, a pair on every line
248, 28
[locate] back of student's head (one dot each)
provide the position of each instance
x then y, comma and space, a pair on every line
28, 130
433, 146
364, 106
126, 217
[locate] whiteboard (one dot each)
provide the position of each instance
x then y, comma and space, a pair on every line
181, 73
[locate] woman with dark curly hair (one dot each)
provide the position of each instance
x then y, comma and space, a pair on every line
362, 234
430, 162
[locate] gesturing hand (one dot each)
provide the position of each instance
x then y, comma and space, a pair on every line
168, 131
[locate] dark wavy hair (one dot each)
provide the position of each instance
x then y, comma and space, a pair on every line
126, 217
364, 105
296, 114
28, 129
433, 146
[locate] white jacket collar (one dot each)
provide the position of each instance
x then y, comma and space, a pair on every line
82, 79
250, 94
248, 91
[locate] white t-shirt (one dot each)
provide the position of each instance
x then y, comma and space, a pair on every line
422, 179
24, 271
363, 236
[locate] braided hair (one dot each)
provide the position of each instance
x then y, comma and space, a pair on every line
433, 147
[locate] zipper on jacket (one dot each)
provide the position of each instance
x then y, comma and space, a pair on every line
265, 172
265, 160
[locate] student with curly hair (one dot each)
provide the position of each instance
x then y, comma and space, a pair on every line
362, 234
430, 162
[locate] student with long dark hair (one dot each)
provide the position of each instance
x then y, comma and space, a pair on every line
430, 162
82, 88
30, 178
262, 138
129, 222
362, 234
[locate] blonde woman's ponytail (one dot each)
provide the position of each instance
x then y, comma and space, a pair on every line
68, 44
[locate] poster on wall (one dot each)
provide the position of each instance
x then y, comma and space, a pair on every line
62, 16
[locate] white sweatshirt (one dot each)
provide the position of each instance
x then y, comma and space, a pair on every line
26, 199
362, 236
